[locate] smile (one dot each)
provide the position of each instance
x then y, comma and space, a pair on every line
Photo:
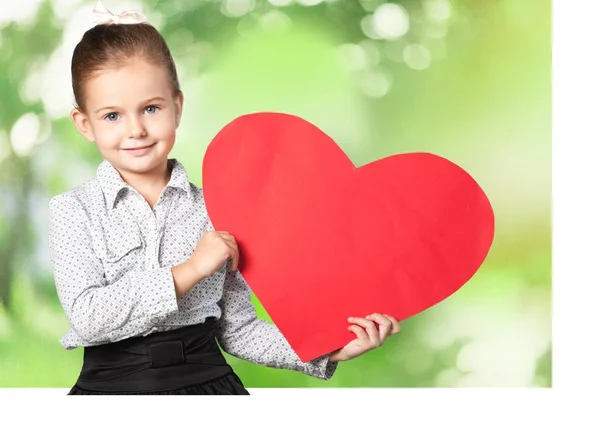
139, 150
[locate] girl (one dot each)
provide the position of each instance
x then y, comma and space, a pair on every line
140, 272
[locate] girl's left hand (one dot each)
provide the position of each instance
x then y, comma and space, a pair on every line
368, 336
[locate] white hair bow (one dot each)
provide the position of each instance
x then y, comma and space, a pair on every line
102, 15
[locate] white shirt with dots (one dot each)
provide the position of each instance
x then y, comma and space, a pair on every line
112, 255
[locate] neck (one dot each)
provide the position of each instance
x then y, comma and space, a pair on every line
149, 184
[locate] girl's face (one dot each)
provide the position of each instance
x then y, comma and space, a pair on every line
132, 115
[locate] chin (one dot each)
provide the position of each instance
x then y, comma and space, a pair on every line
141, 166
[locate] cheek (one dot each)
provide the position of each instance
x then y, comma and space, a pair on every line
108, 133
165, 129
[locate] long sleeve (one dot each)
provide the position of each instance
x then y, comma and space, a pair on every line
242, 334
97, 312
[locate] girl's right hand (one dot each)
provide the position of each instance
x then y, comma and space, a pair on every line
213, 250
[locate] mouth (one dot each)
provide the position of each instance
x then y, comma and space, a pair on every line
139, 150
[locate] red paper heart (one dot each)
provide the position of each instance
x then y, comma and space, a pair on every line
322, 240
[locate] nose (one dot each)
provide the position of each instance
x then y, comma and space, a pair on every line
137, 129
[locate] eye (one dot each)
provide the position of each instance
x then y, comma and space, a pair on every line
112, 117
151, 109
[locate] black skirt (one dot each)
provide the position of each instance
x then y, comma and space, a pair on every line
184, 361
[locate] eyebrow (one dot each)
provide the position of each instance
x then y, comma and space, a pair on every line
151, 100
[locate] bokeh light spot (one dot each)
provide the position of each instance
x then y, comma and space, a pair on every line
237, 8
24, 134
417, 56
391, 21
281, 3
376, 83
437, 9
275, 21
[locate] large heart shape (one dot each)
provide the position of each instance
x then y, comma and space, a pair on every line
321, 240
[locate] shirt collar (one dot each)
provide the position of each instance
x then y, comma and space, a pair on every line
179, 177
112, 184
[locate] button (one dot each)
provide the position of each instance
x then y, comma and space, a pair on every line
154, 320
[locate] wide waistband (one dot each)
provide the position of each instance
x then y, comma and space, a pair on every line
157, 362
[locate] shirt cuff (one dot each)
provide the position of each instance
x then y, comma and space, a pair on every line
162, 301
323, 368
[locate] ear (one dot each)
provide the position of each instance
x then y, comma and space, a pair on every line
178, 108
82, 123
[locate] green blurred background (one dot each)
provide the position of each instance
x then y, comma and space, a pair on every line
466, 79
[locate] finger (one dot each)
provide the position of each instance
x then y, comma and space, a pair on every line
230, 250
234, 255
361, 334
230, 244
227, 236
385, 325
395, 324
370, 328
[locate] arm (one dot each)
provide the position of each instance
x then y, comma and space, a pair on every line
243, 335
98, 312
